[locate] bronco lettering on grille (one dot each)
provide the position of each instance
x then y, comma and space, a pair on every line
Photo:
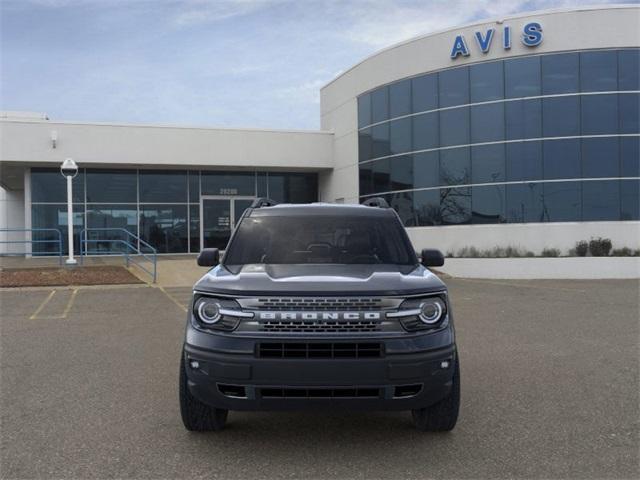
319, 315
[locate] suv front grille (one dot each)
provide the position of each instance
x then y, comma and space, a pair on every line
319, 326
320, 350
318, 304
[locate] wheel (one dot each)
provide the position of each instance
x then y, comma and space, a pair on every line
198, 416
442, 416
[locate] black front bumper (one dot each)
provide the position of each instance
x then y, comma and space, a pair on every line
229, 374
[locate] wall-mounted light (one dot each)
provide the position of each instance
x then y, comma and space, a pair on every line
54, 138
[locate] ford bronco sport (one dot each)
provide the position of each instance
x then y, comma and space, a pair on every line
319, 305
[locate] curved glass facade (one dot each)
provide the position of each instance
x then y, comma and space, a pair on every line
544, 138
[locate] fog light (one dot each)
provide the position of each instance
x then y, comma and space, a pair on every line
194, 364
444, 364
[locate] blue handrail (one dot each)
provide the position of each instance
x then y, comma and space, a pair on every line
129, 247
57, 241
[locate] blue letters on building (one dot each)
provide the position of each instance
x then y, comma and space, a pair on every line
532, 34
459, 47
531, 37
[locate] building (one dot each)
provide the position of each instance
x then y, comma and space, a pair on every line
519, 131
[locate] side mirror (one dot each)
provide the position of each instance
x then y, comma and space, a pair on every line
432, 258
209, 257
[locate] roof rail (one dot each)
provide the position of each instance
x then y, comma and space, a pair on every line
263, 202
376, 202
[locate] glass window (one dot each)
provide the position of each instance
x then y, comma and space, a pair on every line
454, 87
165, 227
524, 161
599, 114
629, 112
426, 205
381, 176
487, 164
364, 110
488, 204
402, 203
487, 122
599, 71
400, 98
425, 131
454, 127
562, 201
487, 81
630, 156
380, 140
194, 186
400, 135
600, 157
194, 228
455, 166
426, 168
522, 77
293, 187
48, 185
402, 172
630, 200
262, 184
113, 219
112, 186
561, 159
380, 105
601, 200
228, 183
163, 186
53, 216
523, 119
524, 203
366, 178
424, 93
629, 69
455, 205
560, 73
365, 145
561, 116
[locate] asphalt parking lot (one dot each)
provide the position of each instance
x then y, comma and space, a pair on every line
549, 390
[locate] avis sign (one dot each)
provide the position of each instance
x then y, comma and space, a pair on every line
531, 37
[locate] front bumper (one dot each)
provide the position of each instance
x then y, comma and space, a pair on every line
409, 375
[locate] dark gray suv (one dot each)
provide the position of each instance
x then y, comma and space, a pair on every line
318, 306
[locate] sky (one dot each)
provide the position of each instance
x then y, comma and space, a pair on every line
219, 63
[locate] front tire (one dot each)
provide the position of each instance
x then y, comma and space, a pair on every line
442, 416
198, 416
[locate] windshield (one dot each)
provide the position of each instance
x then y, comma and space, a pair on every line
320, 239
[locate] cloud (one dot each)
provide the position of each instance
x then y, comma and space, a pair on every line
210, 11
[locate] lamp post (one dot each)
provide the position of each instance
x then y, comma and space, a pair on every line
69, 170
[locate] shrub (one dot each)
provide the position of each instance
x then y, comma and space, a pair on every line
625, 252
450, 254
581, 248
550, 252
600, 247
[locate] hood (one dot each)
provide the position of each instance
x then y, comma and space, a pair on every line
261, 279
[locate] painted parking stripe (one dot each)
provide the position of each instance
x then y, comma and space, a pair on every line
42, 305
37, 315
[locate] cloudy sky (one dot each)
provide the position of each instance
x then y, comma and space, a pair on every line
247, 63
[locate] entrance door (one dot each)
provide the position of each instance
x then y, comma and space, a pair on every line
218, 218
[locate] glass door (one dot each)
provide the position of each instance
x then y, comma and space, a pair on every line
218, 218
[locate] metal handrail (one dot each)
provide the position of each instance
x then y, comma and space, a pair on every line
151, 257
31, 241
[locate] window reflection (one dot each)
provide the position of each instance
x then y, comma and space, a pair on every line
424, 93
112, 186
454, 87
561, 159
629, 204
400, 98
522, 77
455, 205
561, 116
562, 201
48, 185
599, 71
165, 227
601, 200
455, 166
560, 73
168, 186
488, 164
488, 204
599, 114
600, 157
400, 136
425, 131
426, 205
524, 203
487, 81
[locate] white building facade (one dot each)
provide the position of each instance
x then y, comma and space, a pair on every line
520, 131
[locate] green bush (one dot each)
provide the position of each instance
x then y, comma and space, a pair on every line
600, 247
550, 252
581, 248
625, 252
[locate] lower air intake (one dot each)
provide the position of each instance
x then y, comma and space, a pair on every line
338, 392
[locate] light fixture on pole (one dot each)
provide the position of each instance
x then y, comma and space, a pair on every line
69, 170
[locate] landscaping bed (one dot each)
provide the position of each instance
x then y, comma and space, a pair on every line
60, 276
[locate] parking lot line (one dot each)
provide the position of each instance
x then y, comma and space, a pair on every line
172, 298
42, 305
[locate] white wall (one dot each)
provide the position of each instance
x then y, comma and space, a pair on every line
531, 236
30, 141
11, 216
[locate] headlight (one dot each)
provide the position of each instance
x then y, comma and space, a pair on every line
422, 313
431, 311
217, 313
208, 311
